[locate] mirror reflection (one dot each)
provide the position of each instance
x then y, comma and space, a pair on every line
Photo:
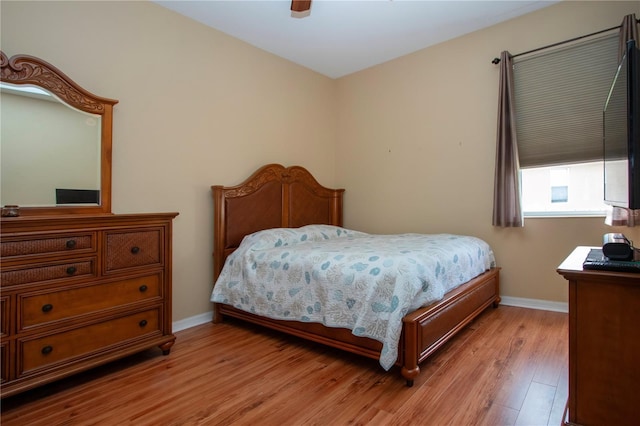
50, 153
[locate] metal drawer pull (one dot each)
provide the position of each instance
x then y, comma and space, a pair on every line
47, 350
71, 244
143, 288
142, 323
71, 270
135, 250
47, 308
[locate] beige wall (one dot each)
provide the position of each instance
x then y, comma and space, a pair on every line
197, 108
416, 143
411, 140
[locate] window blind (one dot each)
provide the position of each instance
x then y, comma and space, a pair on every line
559, 98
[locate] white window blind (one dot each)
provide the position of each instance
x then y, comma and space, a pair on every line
559, 98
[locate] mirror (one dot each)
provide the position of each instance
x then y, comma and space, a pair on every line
55, 146
39, 137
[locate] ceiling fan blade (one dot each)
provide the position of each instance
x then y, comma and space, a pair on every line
300, 5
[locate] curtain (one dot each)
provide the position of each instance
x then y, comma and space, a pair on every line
507, 211
619, 216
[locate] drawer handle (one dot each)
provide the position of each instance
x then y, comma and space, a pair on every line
71, 270
47, 308
143, 288
71, 244
135, 250
47, 350
142, 323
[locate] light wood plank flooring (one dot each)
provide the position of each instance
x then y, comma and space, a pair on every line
509, 367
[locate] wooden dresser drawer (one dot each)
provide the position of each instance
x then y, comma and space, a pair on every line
43, 307
4, 362
131, 249
50, 244
53, 271
5, 315
91, 339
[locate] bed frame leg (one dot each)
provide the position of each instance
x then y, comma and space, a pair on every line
410, 368
217, 316
496, 302
410, 374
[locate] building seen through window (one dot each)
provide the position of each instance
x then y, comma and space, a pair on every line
574, 189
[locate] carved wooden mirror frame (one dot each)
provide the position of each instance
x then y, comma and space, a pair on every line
25, 69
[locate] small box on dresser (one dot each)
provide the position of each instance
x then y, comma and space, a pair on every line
79, 291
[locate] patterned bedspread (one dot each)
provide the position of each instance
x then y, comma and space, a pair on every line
343, 278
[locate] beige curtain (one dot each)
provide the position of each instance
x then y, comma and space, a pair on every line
507, 210
618, 216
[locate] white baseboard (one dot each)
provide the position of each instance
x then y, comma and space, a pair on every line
545, 305
192, 321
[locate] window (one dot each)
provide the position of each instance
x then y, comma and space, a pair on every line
559, 97
576, 189
559, 194
559, 185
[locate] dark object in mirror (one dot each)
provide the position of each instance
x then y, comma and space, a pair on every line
77, 196
31, 71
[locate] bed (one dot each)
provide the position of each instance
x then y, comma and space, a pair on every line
289, 202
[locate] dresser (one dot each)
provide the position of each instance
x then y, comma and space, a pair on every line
604, 344
78, 291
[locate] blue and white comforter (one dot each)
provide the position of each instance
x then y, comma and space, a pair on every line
344, 278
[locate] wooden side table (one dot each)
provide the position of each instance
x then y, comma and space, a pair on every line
604, 344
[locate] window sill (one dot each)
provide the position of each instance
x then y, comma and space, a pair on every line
541, 215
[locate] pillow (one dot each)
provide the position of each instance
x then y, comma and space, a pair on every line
282, 237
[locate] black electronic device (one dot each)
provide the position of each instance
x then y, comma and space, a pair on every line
617, 247
621, 133
596, 260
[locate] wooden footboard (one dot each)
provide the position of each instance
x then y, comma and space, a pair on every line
427, 329
424, 330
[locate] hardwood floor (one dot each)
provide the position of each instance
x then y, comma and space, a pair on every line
509, 367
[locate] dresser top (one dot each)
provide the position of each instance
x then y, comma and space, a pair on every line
571, 268
10, 225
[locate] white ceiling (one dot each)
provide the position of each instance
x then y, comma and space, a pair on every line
339, 37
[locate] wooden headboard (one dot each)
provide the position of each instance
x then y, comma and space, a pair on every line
273, 197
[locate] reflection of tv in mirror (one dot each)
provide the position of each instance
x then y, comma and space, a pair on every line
621, 134
77, 196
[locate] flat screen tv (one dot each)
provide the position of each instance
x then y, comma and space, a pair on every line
621, 133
